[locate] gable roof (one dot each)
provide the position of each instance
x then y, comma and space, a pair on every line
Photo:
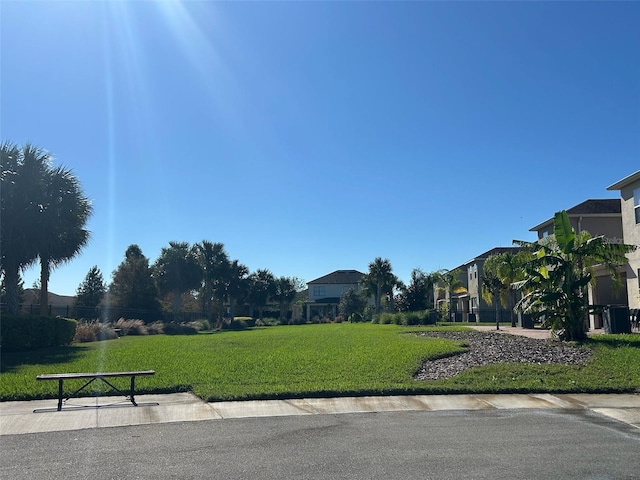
620, 184
339, 277
493, 251
591, 207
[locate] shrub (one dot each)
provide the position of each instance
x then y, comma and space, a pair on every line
179, 329
155, 328
32, 332
131, 327
94, 331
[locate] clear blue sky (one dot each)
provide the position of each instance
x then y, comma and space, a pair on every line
315, 136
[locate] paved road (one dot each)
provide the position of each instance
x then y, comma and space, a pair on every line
487, 444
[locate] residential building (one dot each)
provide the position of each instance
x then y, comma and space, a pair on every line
629, 188
598, 217
467, 303
325, 292
480, 309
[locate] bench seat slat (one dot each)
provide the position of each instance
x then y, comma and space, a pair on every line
65, 376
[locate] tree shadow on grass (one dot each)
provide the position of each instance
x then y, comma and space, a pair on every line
615, 341
10, 361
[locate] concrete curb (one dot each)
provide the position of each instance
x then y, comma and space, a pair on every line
41, 416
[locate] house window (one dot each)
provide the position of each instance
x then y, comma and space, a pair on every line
318, 291
636, 204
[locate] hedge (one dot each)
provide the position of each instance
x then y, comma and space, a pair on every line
18, 332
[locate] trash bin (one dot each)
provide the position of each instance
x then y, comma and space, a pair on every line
525, 320
616, 319
472, 318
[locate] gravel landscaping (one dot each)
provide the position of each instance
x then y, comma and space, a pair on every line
486, 348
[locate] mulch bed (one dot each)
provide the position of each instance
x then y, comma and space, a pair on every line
486, 348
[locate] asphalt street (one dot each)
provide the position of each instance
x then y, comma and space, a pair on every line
482, 444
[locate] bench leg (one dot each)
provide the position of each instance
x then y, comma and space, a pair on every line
133, 387
60, 394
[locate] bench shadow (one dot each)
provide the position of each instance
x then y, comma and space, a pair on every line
10, 361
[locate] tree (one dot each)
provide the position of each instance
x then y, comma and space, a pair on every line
177, 271
379, 280
502, 270
235, 284
22, 183
352, 305
132, 286
213, 261
418, 295
260, 289
62, 218
449, 281
558, 275
90, 292
492, 289
285, 289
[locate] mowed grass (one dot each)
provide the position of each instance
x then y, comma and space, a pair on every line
270, 362
312, 360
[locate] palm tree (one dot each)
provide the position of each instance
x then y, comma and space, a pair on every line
236, 283
506, 268
176, 271
285, 289
378, 280
23, 173
558, 275
260, 288
449, 281
213, 260
492, 290
62, 218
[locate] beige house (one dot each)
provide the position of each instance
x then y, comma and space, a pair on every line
629, 188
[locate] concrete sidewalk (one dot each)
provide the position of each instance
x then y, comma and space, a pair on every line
41, 415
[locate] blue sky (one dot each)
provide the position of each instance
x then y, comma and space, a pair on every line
315, 136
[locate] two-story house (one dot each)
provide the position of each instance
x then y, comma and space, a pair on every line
477, 305
629, 188
598, 217
325, 292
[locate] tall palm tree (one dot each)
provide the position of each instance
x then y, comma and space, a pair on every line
236, 283
449, 281
62, 218
176, 271
260, 288
212, 259
506, 268
23, 173
285, 289
378, 280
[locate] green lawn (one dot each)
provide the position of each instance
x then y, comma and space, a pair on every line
310, 360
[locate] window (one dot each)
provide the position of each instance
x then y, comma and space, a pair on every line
318, 291
636, 204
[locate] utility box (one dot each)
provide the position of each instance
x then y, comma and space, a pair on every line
616, 319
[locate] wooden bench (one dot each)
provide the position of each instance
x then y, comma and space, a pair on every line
92, 377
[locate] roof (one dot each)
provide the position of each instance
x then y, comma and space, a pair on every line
339, 277
620, 184
591, 207
494, 251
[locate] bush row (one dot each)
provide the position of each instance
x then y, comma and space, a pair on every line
426, 317
19, 332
